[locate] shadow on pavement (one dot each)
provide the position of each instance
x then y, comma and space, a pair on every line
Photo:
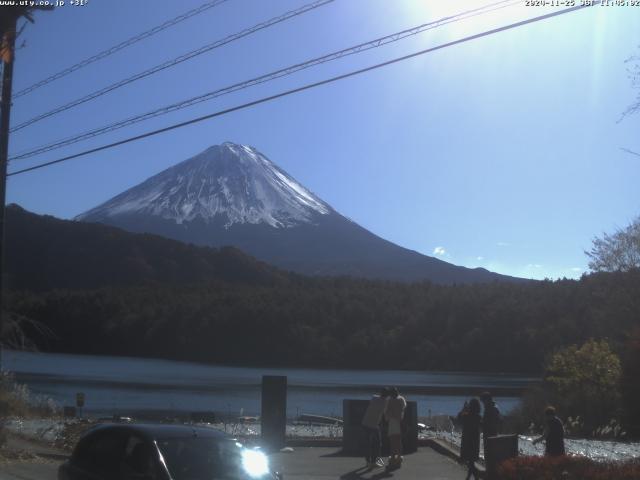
358, 474
339, 453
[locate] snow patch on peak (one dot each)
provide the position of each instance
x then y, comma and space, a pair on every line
231, 182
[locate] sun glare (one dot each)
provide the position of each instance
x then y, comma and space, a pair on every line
476, 16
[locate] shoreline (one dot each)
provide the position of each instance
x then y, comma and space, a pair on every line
532, 376
453, 390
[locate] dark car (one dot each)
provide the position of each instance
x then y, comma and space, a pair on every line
162, 452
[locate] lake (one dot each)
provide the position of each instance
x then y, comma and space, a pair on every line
129, 385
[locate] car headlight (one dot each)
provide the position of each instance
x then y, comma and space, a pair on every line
255, 463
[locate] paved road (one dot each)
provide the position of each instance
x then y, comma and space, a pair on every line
29, 470
309, 463
322, 463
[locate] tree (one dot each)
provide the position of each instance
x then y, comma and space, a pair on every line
630, 387
634, 76
617, 252
586, 381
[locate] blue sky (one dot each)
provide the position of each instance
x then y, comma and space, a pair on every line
504, 152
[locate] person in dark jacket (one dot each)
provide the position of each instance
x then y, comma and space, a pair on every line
490, 418
553, 434
470, 446
394, 415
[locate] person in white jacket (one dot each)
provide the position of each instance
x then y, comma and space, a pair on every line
371, 424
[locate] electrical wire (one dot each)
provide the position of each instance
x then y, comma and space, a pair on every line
122, 45
378, 42
305, 87
175, 61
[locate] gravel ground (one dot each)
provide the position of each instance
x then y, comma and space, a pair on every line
64, 435
599, 450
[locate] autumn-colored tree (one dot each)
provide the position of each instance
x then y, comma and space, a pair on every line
586, 381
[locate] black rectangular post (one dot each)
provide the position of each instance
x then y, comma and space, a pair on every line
410, 428
499, 448
353, 437
274, 411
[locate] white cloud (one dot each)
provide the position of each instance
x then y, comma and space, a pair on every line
439, 251
503, 244
480, 258
534, 265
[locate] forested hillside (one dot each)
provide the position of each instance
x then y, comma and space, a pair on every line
340, 322
110, 292
43, 252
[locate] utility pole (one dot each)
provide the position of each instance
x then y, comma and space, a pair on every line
8, 50
9, 19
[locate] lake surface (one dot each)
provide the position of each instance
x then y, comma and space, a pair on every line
128, 385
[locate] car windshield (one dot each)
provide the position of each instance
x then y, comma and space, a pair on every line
197, 458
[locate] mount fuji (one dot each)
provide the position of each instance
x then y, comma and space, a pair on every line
234, 195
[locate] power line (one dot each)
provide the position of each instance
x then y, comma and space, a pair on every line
264, 78
305, 87
176, 61
629, 151
122, 45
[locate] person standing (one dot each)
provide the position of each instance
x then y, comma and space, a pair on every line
470, 445
490, 418
395, 414
553, 434
371, 424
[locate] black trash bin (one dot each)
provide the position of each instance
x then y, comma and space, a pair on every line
498, 449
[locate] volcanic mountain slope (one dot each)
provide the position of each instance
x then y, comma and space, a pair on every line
45, 253
233, 195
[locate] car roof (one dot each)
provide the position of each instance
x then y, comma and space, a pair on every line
156, 431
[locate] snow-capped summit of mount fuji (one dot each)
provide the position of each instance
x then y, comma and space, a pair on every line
234, 195
231, 183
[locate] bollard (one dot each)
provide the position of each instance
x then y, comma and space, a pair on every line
274, 411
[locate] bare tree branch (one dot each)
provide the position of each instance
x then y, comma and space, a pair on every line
633, 71
617, 252
15, 329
